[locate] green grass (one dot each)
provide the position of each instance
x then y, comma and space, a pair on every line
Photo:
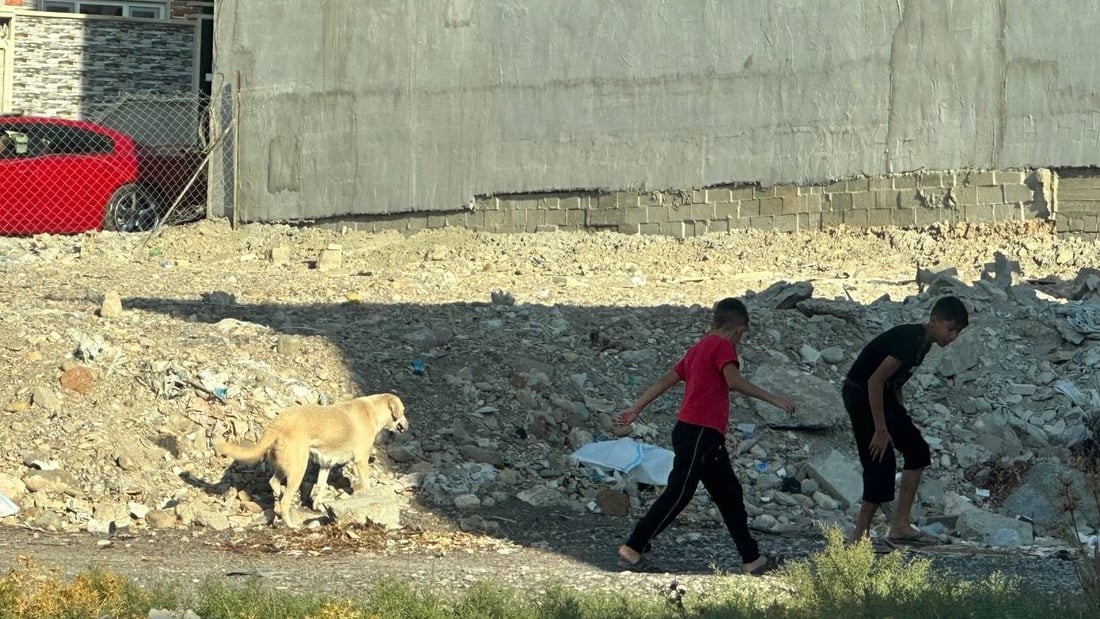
839, 581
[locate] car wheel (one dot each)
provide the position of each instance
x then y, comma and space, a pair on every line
133, 208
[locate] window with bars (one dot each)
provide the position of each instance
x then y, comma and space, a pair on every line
148, 10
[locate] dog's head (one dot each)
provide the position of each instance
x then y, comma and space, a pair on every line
397, 421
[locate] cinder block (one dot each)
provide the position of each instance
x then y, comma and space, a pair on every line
546, 228
743, 193
831, 219
457, 220
476, 219
785, 223
785, 191
725, 210
556, 217
699, 196
979, 213
635, 215
526, 202
720, 226
880, 217
651, 198
675, 229
856, 217
839, 202
864, 200
748, 208
573, 202
927, 216
437, 221
929, 180
880, 183
719, 195
650, 228
656, 214
905, 181
535, 219
550, 202
605, 201
1063, 225
629, 228
964, 195
905, 217
1021, 193
1008, 177
809, 221
837, 187
416, 222
490, 203
887, 199
858, 184
1008, 212
576, 219
990, 195
761, 223
771, 206
791, 205
980, 179
700, 212
908, 198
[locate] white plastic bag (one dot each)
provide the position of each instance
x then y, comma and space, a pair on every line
646, 464
7, 508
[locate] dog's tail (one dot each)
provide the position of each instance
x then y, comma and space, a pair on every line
248, 454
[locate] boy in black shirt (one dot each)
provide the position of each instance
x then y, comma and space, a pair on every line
872, 396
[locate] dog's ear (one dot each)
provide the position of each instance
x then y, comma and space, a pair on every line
396, 409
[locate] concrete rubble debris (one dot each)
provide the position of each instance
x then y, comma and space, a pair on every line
531, 346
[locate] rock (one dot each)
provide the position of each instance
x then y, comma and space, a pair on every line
330, 258
481, 455
832, 355
1002, 272
825, 501
809, 354
44, 397
540, 496
809, 486
639, 357
819, 404
161, 518
845, 310
995, 529
784, 295
764, 522
12, 487
839, 475
279, 256
111, 307
467, 502
613, 503
79, 379
288, 345
1040, 497
963, 355
579, 437
382, 509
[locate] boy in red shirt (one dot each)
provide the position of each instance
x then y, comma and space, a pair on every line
709, 370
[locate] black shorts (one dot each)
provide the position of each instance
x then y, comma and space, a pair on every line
878, 477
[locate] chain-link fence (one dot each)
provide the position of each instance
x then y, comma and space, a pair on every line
128, 165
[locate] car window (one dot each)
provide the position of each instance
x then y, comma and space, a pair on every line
39, 139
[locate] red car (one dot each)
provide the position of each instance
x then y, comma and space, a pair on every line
65, 176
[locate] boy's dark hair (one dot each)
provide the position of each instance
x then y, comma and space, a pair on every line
729, 311
952, 310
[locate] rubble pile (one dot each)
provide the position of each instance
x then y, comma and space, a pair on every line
126, 359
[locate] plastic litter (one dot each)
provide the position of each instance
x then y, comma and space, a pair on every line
7, 507
640, 462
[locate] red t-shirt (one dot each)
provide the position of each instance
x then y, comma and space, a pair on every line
706, 394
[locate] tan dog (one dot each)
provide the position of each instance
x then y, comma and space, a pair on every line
330, 435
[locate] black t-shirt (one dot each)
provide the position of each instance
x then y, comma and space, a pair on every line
906, 343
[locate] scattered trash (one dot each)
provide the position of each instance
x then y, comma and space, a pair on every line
416, 367
7, 507
643, 463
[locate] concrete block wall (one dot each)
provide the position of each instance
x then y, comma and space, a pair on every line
1078, 201
904, 200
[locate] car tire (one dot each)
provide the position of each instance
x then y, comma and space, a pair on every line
133, 208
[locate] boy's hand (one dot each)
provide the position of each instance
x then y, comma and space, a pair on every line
627, 417
880, 442
785, 403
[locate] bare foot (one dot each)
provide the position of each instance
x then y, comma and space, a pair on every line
628, 554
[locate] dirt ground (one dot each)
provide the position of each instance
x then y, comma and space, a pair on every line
179, 288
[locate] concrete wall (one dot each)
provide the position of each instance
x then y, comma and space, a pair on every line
69, 65
393, 106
